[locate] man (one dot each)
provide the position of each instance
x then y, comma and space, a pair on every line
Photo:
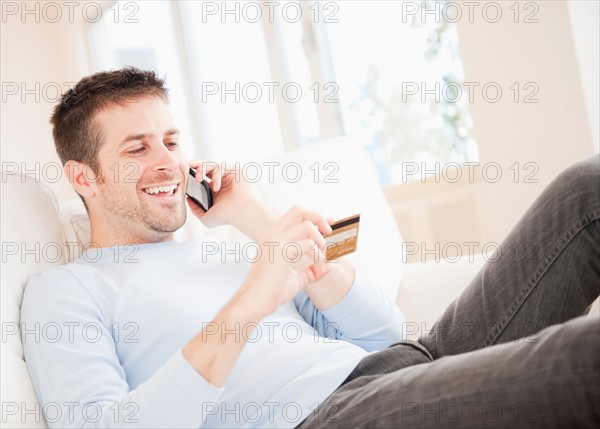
176, 343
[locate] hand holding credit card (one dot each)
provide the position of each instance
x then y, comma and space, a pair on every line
343, 238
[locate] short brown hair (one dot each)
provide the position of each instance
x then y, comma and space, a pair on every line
76, 136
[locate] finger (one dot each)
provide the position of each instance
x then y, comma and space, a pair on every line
307, 229
203, 168
196, 165
214, 173
302, 253
320, 221
320, 269
298, 214
199, 168
302, 231
314, 263
202, 171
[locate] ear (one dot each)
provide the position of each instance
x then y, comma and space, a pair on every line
82, 178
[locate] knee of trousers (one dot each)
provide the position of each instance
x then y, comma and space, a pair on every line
583, 179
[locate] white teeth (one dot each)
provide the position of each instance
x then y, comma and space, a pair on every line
157, 189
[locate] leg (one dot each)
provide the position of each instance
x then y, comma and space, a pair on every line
396, 357
550, 380
546, 272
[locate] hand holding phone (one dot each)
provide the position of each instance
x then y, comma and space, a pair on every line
200, 193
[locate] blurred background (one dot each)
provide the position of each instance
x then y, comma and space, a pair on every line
468, 109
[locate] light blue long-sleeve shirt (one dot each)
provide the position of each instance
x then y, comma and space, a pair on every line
103, 336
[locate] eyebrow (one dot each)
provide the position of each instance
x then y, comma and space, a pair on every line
171, 132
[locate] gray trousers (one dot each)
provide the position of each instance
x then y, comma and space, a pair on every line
515, 349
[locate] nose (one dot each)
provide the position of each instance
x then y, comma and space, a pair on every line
164, 159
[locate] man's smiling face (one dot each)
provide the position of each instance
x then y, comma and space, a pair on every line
141, 195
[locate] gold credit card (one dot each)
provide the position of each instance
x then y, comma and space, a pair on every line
343, 238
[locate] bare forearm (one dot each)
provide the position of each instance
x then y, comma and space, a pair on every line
216, 349
333, 287
255, 220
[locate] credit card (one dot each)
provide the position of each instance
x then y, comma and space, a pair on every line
343, 238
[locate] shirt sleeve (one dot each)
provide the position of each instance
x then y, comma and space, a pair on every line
74, 367
364, 316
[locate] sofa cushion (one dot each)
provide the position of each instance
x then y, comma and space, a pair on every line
32, 240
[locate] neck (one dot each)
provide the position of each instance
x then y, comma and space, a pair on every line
106, 234
101, 240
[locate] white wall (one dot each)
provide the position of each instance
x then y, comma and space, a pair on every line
44, 55
552, 133
585, 17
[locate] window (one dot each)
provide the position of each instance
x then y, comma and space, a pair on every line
251, 79
385, 61
230, 66
142, 35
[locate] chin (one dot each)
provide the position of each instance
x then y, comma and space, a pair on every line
168, 224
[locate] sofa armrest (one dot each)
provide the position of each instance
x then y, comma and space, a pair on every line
427, 288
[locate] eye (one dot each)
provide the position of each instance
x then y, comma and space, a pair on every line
136, 151
172, 145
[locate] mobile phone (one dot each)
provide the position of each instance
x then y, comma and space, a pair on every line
200, 193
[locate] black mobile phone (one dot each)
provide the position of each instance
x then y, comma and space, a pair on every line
200, 193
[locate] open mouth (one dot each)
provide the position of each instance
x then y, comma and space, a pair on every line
162, 191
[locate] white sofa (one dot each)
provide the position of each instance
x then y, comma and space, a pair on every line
38, 232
